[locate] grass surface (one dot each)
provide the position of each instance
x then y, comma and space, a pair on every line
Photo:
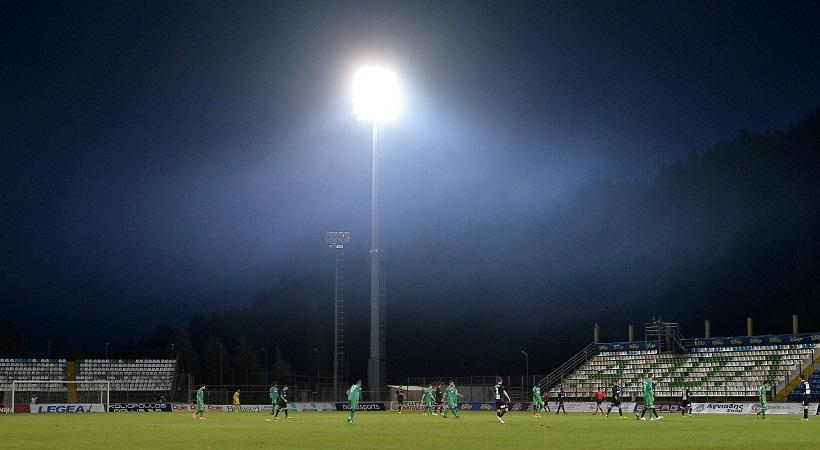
408, 430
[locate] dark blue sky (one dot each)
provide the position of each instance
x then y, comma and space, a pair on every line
168, 157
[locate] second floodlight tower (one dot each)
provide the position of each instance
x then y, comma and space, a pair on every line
376, 100
337, 241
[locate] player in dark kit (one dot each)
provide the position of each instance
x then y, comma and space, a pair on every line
439, 400
560, 401
804, 384
686, 402
283, 403
546, 399
501, 399
616, 400
400, 399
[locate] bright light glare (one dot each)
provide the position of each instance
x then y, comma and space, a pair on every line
375, 94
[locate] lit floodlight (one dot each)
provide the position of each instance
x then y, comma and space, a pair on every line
375, 94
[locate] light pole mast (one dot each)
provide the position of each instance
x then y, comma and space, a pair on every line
374, 364
376, 100
337, 240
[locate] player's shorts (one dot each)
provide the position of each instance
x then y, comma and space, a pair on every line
452, 405
649, 401
352, 404
400, 401
685, 403
616, 402
428, 403
500, 406
764, 406
538, 402
439, 401
200, 406
598, 402
282, 404
805, 400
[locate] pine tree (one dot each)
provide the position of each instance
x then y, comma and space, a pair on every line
12, 341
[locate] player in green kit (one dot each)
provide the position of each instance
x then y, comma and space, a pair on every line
764, 403
537, 402
353, 399
274, 397
649, 400
200, 403
427, 397
452, 399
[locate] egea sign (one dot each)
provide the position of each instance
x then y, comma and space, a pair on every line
67, 408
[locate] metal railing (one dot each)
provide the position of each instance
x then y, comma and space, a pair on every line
568, 367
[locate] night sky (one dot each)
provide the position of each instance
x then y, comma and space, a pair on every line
166, 158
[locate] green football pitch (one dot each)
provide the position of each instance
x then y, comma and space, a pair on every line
408, 430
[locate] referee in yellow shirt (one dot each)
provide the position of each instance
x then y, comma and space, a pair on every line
236, 400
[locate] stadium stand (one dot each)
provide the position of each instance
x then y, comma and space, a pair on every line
707, 371
32, 370
141, 379
125, 375
725, 371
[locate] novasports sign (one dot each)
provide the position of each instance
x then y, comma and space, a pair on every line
139, 407
363, 406
246, 408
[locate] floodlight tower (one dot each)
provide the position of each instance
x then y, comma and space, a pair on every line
376, 100
337, 240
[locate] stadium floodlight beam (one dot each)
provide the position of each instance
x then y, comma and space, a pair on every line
376, 99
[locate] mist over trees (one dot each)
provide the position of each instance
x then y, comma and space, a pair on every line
730, 232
